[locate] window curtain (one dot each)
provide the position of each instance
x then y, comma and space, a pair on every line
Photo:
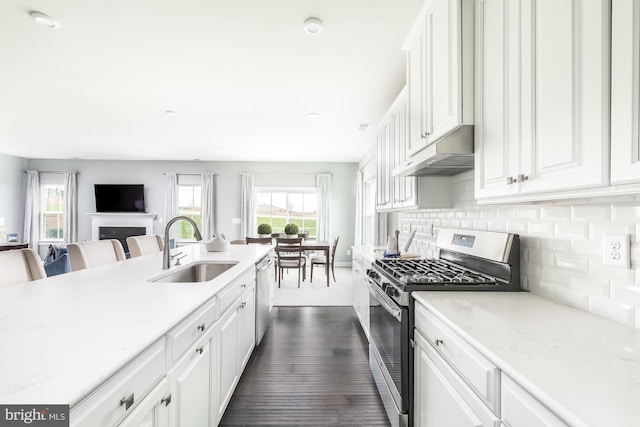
70, 207
32, 210
247, 211
208, 201
323, 185
171, 198
359, 210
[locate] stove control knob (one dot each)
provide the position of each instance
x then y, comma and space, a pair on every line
391, 291
373, 274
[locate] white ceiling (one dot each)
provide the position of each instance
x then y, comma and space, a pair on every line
241, 74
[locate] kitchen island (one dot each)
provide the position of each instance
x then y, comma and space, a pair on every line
64, 336
552, 364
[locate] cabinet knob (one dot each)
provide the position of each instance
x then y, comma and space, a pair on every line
522, 177
511, 180
166, 400
127, 401
244, 285
199, 350
201, 327
438, 342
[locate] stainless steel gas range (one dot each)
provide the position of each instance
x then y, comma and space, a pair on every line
468, 260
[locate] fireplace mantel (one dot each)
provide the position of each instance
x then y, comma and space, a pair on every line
120, 219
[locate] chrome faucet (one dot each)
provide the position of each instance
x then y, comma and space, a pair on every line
166, 258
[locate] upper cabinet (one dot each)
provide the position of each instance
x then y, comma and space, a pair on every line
625, 91
542, 97
439, 72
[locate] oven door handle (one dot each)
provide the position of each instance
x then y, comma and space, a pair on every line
385, 301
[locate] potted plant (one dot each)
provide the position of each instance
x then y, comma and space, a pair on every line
264, 230
291, 230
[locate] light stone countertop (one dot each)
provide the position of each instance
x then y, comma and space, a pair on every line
370, 253
65, 335
583, 367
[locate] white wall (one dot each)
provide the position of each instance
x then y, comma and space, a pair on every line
561, 246
12, 191
227, 184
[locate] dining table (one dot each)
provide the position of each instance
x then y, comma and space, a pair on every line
318, 245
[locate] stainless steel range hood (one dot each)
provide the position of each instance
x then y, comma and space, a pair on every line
450, 155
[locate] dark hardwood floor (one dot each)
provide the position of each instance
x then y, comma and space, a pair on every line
311, 368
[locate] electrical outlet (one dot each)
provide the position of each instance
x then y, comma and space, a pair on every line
348, 251
616, 250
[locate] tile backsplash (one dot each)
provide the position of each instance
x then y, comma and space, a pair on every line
561, 246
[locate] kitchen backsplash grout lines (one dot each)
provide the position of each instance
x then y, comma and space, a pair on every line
561, 246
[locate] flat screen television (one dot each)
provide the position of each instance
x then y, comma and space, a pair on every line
119, 197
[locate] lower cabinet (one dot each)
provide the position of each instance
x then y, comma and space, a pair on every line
361, 290
441, 397
152, 411
236, 340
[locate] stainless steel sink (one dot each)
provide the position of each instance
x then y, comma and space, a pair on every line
197, 272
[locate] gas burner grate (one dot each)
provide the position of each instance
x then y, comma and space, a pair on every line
433, 271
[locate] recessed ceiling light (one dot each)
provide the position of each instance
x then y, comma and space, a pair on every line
313, 115
312, 26
171, 113
362, 127
44, 20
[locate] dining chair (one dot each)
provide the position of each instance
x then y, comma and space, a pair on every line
19, 266
90, 254
143, 245
238, 242
259, 240
289, 255
322, 260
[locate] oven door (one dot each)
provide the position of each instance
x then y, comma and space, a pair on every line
389, 332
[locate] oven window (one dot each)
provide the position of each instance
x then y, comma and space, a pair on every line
387, 336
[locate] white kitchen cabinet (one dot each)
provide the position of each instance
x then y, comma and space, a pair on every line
190, 383
384, 159
625, 91
360, 265
441, 397
236, 340
152, 411
520, 409
439, 72
542, 100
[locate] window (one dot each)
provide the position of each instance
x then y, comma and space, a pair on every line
190, 205
52, 212
279, 207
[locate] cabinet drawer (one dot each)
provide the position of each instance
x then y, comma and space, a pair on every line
108, 404
232, 292
481, 375
521, 409
196, 325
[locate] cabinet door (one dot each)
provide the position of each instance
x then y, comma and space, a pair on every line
416, 93
190, 388
228, 360
443, 70
248, 313
625, 91
437, 402
384, 160
152, 410
498, 74
565, 77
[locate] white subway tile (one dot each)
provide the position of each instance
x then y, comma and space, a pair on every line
625, 212
497, 225
555, 244
555, 276
517, 227
467, 223
598, 229
586, 247
599, 271
599, 288
572, 298
557, 213
541, 288
508, 213
635, 254
625, 293
489, 213
480, 224
591, 213
573, 263
539, 228
529, 213
572, 229
612, 310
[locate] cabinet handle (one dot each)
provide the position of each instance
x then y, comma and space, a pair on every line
413, 343
127, 401
438, 342
166, 400
510, 180
244, 285
199, 350
201, 327
522, 177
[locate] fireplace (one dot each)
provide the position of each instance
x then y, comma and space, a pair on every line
120, 226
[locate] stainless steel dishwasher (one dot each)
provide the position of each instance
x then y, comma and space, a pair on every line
265, 289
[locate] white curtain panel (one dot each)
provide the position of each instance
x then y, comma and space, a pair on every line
208, 200
70, 207
171, 198
323, 186
359, 200
247, 211
32, 210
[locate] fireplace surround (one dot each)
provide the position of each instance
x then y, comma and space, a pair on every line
120, 225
